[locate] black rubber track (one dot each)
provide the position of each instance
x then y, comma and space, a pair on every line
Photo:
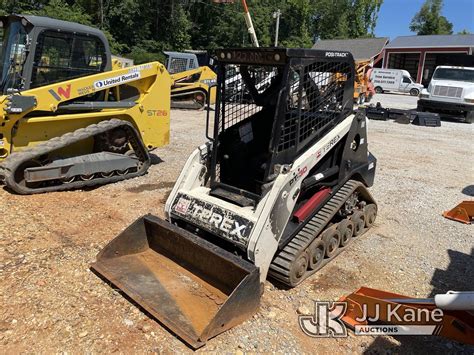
9, 166
281, 264
188, 104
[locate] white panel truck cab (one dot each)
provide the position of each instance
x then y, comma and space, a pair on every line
450, 92
394, 80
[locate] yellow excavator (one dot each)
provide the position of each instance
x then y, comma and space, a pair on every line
192, 85
69, 117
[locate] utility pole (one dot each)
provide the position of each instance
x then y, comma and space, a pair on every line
277, 30
248, 21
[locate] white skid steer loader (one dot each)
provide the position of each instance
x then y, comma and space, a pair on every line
279, 189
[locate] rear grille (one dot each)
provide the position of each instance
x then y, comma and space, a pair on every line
448, 91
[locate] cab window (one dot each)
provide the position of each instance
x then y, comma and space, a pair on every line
63, 56
407, 80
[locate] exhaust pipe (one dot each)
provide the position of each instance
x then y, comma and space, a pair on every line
195, 288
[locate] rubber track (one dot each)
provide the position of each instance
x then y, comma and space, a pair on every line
281, 264
188, 104
9, 166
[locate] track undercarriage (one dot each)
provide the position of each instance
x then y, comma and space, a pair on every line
348, 213
118, 154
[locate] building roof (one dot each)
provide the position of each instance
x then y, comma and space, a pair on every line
432, 41
361, 48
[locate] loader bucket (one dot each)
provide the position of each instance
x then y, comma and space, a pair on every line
196, 289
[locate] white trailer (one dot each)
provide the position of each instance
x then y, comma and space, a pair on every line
394, 80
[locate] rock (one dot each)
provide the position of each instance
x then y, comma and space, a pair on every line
128, 322
83, 334
271, 315
145, 328
303, 310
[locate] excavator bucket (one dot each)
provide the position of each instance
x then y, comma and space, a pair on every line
464, 212
196, 289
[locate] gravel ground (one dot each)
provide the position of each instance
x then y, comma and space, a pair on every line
52, 302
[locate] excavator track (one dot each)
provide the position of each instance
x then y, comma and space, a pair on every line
192, 103
307, 252
18, 160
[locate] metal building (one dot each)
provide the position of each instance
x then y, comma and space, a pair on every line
420, 55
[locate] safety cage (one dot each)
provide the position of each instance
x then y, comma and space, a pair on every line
272, 105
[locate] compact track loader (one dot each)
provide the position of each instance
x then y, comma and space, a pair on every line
278, 191
193, 86
69, 118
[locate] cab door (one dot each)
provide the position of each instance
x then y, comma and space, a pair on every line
405, 84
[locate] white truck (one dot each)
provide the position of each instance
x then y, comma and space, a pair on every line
394, 80
450, 92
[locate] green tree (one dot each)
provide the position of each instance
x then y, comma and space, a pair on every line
429, 21
345, 18
464, 32
61, 10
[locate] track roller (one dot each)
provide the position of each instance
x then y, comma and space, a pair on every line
298, 268
358, 218
370, 212
331, 238
317, 251
346, 228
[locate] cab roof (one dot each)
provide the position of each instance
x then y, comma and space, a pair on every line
54, 24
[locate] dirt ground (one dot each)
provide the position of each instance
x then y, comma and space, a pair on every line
52, 302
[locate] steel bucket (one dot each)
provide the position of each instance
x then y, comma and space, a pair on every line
196, 289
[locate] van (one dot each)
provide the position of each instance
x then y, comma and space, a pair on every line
394, 80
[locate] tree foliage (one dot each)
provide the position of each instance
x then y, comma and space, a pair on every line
142, 29
429, 21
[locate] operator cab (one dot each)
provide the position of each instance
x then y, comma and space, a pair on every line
280, 102
37, 51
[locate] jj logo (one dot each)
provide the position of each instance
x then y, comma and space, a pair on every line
326, 321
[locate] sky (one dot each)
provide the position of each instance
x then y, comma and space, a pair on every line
395, 16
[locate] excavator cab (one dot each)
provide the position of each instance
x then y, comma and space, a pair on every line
38, 51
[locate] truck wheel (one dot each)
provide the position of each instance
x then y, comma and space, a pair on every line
414, 92
379, 90
469, 117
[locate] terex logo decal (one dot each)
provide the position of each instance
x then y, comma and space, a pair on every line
64, 93
213, 218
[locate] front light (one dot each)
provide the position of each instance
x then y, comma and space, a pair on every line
471, 101
424, 96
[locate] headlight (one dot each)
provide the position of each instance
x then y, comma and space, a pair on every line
424, 96
471, 101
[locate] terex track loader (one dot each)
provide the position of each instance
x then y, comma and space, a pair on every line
193, 86
68, 117
278, 191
